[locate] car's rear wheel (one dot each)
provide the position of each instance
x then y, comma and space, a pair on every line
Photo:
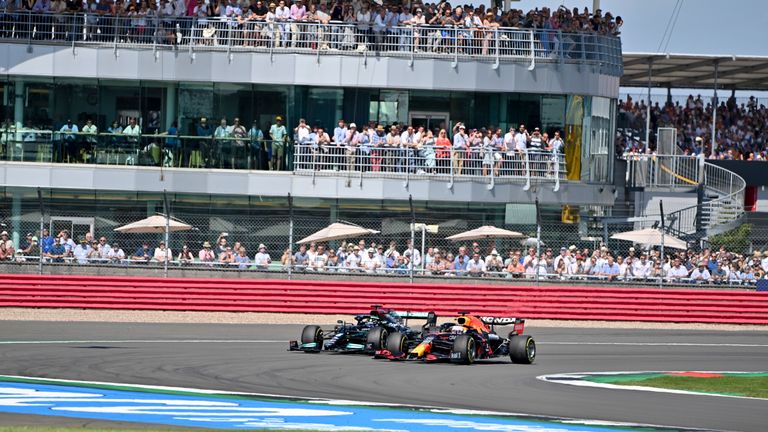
464, 350
397, 344
377, 338
312, 333
522, 349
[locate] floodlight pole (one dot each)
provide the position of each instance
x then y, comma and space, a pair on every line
714, 111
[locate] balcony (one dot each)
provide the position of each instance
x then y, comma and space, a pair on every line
191, 164
490, 59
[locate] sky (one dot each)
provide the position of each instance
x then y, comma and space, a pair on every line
736, 27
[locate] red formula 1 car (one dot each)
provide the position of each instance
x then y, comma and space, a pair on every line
467, 339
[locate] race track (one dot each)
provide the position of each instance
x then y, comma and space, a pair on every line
256, 360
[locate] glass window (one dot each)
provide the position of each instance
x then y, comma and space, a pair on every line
195, 101
391, 106
234, 100
324, 106
552, 113
119, 101
38, 103
77, 100
524, 109
268, 103
152, 107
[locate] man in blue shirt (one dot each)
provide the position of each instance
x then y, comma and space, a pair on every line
200, 148
340, 133
142, 254
46, 242
56, 253
301, 258
70, 147
610, 269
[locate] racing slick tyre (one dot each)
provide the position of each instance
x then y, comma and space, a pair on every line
377, 338
522, 349
312, 333
396, 344
463, 351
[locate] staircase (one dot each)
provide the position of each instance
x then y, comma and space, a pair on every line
720, 208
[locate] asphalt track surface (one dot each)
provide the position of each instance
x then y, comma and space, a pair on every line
199, 356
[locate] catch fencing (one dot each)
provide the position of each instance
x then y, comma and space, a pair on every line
280, 229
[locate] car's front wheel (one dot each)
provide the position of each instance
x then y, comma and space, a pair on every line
377, 338
464, 350
396, 344
312, 334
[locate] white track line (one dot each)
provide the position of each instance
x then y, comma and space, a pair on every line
575, 379
693, 344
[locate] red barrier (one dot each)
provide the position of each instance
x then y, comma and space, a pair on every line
349, 297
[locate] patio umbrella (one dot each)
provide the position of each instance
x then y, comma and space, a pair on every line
532, 242
154, 224
485, 232
337, 231
651, 237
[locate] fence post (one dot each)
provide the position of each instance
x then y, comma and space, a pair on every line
42, 226
527, 171
413, 247
455, 63
532, 66
167, 232
450, 152
290, 235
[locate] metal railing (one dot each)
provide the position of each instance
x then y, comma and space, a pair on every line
225, 152
723, 202
491, 165
494, 44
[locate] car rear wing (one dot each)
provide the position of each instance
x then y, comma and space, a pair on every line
413, 315
431, 317
519, 323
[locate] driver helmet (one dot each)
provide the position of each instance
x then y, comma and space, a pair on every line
458, 329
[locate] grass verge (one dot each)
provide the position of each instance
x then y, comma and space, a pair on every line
752, 386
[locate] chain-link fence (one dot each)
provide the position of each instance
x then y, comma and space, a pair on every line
250, 239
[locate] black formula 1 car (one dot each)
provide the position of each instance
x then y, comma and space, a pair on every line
467, 339
367, 334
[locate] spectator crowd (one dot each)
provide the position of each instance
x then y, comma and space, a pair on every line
741, 129
373, 147
706, 266
357, 24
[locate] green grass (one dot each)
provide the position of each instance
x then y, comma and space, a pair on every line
752, 386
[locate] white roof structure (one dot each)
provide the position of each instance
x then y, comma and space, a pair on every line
696, 71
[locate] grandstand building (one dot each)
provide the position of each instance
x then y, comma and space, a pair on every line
520, 77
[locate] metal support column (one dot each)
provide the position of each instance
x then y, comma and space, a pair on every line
714, 112
648, 108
